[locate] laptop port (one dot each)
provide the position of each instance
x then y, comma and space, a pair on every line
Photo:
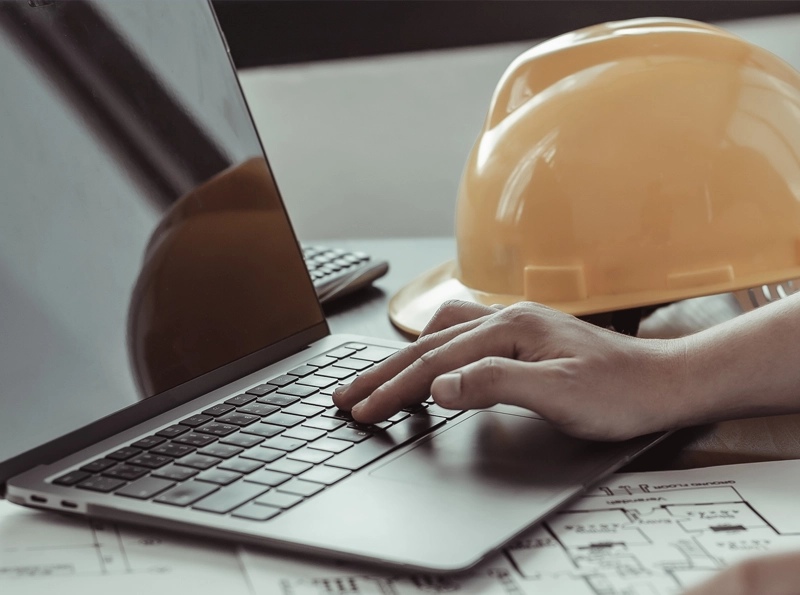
38, 499
68, 504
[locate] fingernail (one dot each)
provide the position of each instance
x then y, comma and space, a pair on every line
448, 387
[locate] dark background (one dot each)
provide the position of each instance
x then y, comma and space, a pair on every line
284, 32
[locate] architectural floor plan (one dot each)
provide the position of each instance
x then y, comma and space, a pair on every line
637, 534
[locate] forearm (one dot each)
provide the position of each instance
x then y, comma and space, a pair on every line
747, 367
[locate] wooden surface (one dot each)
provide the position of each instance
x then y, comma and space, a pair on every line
739, 441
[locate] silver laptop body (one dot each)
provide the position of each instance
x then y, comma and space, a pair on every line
153, 294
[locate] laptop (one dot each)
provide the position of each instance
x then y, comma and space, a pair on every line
164, 360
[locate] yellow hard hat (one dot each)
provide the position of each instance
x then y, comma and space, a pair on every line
627, 164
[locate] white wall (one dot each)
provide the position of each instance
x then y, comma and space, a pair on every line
375, 147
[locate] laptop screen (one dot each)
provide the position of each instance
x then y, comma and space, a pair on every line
143, 242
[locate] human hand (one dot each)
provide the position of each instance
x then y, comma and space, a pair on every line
590, 382
773, 575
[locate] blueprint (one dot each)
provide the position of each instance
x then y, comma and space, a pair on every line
635, 534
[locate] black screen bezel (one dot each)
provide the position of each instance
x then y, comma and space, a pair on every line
157, 404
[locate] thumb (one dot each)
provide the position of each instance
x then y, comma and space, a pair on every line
487, 382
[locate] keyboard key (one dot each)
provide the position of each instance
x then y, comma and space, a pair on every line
268, 478
317, 381
218, 429
101, 484
302, 371
329, 445
302, 433
241, 465
98, 466
175, 473
242, 399
230, 497
196, 420
321, 361
399, 434
442, 412
187, 493
282, 380
71, 478
243, 440
239, 419
263, 454
372, 428
356, 346
173, 431
353, 364
223, 451
324, 423
325, 475
288, 466
350, 435
401, 415
284, 444
145, 488
374, 354
296, 390
279, 500
218, 476
341, 352
264, 430
148, 442
337, 413
260, 409
279, 400
172, 450
304, 410
194, 439
262, 389
150, 460
198, 461
309, 455
220, 409
301, 488
256, 512
123, 454
285, 420
126, 472
333, 372
320, 400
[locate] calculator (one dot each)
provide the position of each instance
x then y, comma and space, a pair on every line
337, 272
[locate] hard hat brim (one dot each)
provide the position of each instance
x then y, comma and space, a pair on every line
411, 308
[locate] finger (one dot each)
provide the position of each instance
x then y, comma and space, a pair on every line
412, 385
346, 397
488, 382
456, 312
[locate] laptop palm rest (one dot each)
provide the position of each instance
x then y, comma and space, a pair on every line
443, 502
496, 453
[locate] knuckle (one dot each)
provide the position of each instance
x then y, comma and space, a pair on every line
447, 313
520, 315
427, 358
489, 372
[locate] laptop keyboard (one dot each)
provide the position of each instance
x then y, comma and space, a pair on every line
256, 454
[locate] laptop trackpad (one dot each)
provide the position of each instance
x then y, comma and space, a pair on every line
492, 451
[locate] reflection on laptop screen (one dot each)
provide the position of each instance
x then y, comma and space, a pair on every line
142, 240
